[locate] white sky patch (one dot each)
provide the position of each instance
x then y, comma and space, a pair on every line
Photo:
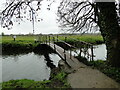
47, 26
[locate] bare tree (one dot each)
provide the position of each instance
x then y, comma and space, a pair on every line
19, 10
76, 15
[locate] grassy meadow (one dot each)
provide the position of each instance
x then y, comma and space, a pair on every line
95, 39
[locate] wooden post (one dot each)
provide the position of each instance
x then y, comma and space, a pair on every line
65, 39
92, 52
53, 39
49, 40
70, 54
39, 39
43, 39
54, 42
57, 38
46, 39
80, 51
64, 50
65, 57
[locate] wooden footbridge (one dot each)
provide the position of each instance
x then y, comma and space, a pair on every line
66, 55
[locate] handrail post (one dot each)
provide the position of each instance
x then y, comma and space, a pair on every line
46, 39
64, 50
70, 54
39, 38
65, 39
49, 39
80, 50
92, 52
42, 38
57, 38
54, 43
65, 57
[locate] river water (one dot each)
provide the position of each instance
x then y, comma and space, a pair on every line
36, 67
28, 66
99, 51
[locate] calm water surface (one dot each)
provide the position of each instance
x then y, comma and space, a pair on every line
100, 52
28, 66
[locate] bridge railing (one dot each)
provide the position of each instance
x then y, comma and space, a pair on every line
84, 47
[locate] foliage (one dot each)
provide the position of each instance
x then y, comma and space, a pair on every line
16, 47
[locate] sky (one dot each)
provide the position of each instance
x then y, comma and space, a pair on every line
49, 24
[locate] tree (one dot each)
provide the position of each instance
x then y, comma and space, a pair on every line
86, 16
19, 10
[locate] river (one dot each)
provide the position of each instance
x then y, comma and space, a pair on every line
28, 66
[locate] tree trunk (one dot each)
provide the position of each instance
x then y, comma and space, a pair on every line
110, 31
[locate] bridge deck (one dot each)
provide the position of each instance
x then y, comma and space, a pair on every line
73, 62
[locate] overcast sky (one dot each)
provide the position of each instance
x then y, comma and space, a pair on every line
47, 26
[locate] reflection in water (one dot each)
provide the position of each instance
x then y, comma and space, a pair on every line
28, 66
99, 51
49, 62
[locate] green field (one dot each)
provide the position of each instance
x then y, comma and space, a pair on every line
95, 39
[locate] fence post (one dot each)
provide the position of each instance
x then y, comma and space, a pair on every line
92, 52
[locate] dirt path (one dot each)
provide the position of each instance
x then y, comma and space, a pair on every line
86, 77
90, 78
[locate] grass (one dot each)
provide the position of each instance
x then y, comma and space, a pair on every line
58, 80
95, 39
24, 38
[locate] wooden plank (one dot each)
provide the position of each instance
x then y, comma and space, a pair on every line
73, 62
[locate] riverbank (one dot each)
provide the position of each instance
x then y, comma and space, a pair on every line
57, 80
